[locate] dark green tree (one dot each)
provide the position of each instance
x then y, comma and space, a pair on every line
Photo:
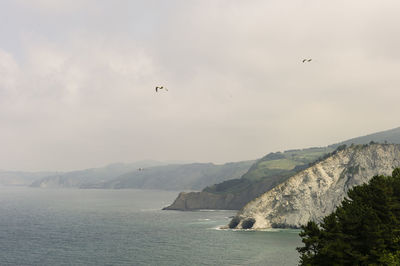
364, 230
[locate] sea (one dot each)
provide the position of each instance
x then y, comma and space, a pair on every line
127, 227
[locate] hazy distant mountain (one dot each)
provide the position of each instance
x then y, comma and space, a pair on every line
235, 186
193, 176
266, 173
388, 136
19, 178
90, 177
147, 175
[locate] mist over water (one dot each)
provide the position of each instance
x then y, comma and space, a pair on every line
127, 227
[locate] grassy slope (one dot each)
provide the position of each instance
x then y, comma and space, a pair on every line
270, 171
275, 166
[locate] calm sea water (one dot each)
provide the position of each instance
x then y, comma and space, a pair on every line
127, 227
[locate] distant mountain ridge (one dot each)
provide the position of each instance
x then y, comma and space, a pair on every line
387, 136
92, 176
191, 177
21, 178
194, 176
228, 186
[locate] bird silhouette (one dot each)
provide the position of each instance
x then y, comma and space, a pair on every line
161, 88
306, 60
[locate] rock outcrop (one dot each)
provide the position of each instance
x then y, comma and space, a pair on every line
224, 201
187, 201
316, 191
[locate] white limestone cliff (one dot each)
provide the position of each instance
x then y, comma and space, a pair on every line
318, 190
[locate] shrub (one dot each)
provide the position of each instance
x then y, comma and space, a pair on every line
285, 226
341, 147
364, 230
274, 156
248, 223
234, 222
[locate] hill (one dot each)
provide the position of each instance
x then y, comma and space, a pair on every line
263, 175
19, 178
316, 191
89, 177
387, 136
266, 173
147, 176
179, 177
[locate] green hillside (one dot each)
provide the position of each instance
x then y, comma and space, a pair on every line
267, 172
272, 169
277, 167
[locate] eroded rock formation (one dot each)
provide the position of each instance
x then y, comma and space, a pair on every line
316, 191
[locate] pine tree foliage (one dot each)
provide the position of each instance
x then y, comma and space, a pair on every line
364, 230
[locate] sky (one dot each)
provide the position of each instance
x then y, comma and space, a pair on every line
77, 78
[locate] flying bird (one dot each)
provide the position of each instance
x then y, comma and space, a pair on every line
161, 88
306, 60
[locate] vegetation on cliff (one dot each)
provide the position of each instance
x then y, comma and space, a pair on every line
387, 136
364, 230
266, 173
269, 171
279, 165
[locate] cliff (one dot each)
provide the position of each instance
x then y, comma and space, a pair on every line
316, 191
194, 201
263, 175
267, 172
222, 201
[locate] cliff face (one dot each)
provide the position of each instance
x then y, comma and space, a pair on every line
201, 200
263, 175
224, 201
315, 192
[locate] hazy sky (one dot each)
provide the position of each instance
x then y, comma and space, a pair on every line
77, 78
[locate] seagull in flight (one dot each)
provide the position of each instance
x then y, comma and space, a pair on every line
306, 60
161, 88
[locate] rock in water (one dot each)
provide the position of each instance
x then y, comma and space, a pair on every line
319, 189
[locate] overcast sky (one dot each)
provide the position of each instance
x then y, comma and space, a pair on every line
77, 78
